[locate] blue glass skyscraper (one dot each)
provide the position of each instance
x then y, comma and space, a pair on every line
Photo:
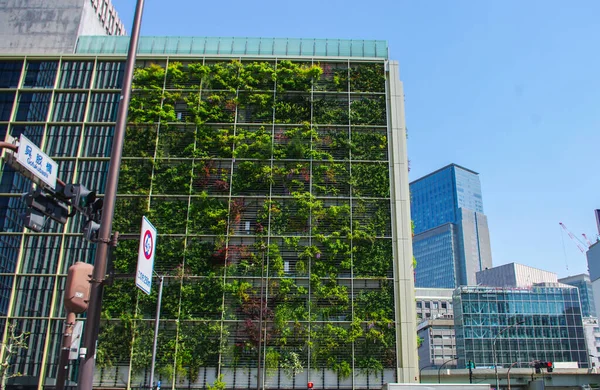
451, 241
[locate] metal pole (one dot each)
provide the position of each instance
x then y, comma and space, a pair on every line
156, 321
440, 369
494, 351
63, 363
260, 321
508, 373
421, 370
92, 324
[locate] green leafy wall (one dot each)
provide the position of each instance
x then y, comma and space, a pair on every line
250, 169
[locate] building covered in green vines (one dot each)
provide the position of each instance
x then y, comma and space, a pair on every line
275, 171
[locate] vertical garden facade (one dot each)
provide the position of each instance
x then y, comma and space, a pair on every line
275, 172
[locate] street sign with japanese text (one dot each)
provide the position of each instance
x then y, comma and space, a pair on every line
37, 162
145, 264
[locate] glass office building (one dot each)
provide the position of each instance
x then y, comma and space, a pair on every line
536, 323
451, 231
275, 171
583, 283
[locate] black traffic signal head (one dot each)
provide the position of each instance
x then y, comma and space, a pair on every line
90, 231
82, 199
549, 366
34, 220
538, 367
46, 204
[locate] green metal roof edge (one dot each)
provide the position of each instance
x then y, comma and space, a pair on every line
238, 46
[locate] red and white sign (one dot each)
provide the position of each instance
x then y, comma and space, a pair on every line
145, 264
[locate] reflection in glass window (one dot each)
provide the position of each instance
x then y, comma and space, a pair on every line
104, 107
6, 103
109, 74
10, 72
33, 106
76, 74
69, 107
40, 74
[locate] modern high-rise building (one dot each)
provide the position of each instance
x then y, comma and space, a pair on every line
275, 171
38, 26
526, 324
593, 261
586, 294
451, 241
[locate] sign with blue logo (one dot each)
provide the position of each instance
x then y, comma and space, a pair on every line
37, 162
145, 264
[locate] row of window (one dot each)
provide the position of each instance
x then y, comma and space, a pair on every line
68, 107
73, 74
433, 305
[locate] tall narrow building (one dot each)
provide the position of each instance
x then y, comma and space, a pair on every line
451, 241
275, 172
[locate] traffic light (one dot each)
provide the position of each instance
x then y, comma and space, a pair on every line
34, 220
538, 367
82, 199
90, 230
549, 366
310, 385
45, 204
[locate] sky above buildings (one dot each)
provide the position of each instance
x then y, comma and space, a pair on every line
510, 89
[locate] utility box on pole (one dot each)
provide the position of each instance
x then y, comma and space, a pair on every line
77, 290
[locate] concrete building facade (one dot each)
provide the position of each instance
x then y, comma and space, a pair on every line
438, 342
40, 26
514, 275
275, 171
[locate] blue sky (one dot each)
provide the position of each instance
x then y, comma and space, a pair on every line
510, 89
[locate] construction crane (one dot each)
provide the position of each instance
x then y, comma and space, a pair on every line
580, 244
587, 240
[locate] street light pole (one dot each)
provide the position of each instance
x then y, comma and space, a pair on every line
421, 370
494, 350
92, 323
442, 366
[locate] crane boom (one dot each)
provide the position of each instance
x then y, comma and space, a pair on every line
587, 240
577, 241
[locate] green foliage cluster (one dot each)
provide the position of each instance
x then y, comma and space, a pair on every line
212, 132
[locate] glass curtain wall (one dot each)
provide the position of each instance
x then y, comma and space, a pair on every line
550, 325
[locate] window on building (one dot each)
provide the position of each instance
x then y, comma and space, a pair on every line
419, 305
444, 305
596, 329
40, 74
33, 106
435, 305
10, 72
69, 107
6, 103
76, 74
109, 75
427, 305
